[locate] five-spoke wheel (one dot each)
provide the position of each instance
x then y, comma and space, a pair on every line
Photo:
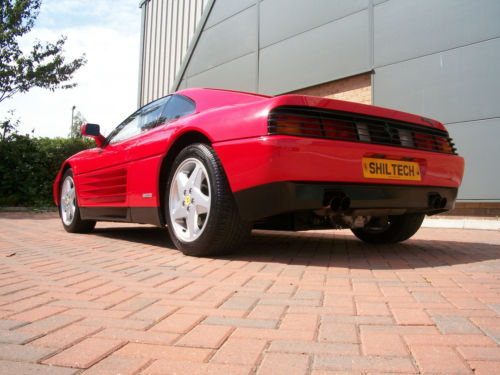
68, 200
201, 213
189, 199
68, 207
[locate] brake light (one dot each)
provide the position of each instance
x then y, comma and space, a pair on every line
424, 141
340, 129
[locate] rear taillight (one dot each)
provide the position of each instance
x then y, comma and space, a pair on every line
444, 145
340, 130
354, 127
424, 141
310, 126
297, 125
433, 143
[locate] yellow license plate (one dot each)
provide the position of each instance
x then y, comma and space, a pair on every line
391, 169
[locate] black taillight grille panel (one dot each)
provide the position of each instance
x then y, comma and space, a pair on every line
327, 124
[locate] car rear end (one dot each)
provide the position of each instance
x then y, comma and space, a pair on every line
341, 160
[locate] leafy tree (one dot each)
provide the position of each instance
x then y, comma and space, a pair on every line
44, 66
29, 166
8, 126
76, 126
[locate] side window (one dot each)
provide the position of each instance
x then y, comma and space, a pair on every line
144, 119
178, 106
150, 113
126, 129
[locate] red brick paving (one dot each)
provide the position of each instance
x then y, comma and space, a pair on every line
122, 300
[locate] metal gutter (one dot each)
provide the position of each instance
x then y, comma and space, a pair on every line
141, 51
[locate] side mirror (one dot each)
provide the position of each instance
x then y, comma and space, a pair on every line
93, 130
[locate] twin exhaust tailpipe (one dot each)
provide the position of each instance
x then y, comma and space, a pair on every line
340, 202
437, 202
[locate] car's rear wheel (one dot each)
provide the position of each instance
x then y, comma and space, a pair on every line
201, 214
68, 207
390, 229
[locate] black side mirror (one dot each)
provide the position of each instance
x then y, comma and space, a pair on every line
94, 131
91, 130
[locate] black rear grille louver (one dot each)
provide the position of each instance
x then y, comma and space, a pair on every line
327, 124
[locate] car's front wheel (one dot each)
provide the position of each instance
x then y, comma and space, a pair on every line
201, 214
390, 229
68, 207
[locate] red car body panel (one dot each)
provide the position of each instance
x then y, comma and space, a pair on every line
127, 173
258, 161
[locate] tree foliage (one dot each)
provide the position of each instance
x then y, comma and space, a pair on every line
76, 126
29, 167
44, 66
8, 126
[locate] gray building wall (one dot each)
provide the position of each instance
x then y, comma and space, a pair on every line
439, 59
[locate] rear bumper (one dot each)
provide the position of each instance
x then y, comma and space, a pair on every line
270, 175
369, 200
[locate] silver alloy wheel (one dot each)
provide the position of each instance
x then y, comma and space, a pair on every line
68, 200
189, 200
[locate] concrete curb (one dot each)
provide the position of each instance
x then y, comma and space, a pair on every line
462, 223
28, 209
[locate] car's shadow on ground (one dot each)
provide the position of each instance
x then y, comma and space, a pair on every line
329, 249
147, 235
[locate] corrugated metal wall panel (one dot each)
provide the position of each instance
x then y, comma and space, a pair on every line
169, 27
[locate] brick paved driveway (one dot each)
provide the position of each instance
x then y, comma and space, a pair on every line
122, 301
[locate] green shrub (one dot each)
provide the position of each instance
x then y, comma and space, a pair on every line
29, 166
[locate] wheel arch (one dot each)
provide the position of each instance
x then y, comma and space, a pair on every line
181, 142
57, 190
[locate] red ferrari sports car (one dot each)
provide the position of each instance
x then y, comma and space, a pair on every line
211, 164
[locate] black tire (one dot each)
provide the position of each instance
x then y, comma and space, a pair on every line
223, 231
397, 229
74, 224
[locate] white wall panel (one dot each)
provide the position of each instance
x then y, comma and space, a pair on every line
226, 41
406, 29
239, 74
302, 61
281, 19
452, 86
477, 142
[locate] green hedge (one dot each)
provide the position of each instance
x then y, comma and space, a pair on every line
29, 166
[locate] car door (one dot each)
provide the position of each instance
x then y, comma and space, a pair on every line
149, 150
103, 177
